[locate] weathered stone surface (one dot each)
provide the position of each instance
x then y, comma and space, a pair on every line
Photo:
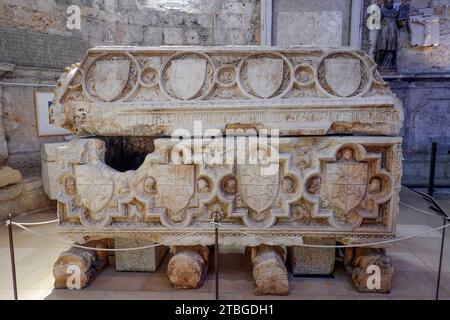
269, 270
225, 96
50, 168
9, 176
24, 197
147, 260
312, 261
306, 192
188, 266
424, 30
358, 262
83, 262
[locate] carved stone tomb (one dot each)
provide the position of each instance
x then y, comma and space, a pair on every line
289, 146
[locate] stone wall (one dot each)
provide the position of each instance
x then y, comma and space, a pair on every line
422, 82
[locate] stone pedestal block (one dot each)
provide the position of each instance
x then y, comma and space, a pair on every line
269, 271
312, 261
76, 268
50, 169
365, 264
146, 260
188, 266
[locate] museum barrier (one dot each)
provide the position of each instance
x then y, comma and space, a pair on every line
217, 225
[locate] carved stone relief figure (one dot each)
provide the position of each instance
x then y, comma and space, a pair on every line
149, 185
314, 185
230, 186
387, 42
70, 186
375, 185
288, 185
203, 186
302, 213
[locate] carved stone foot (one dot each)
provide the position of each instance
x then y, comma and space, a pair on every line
269, 270
76, 268
188, 266
370, 269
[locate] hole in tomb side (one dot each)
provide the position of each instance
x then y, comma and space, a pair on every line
127, 153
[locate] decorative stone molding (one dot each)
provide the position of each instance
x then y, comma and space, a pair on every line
153, 91
328, 185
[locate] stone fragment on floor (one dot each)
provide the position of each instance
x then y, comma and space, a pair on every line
77, 267
269, 270
364, 265
188, 266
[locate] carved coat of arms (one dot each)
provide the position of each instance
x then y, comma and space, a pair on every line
259, 191
110, 78
175, 186
343, 75
187, 77
347, 184
94, 187
265, 76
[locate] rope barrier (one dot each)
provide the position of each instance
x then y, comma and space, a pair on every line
23, 226
101, 249
351, 245
423, 211
36, 223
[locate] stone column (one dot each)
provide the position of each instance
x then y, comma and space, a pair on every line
365, 264
313, 261
188, 266
83, 262
269, 270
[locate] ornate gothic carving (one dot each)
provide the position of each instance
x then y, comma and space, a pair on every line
349, 186
153, 91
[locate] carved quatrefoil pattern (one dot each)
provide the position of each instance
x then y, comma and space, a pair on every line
326, 179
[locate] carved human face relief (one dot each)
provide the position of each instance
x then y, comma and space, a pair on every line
375, 185
203, 186
288, 185
71, 187
346, 155
149, 185
230, 186
313, 186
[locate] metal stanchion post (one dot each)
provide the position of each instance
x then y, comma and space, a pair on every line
13, 259
440, 261
437, 208
432, 169
217, 216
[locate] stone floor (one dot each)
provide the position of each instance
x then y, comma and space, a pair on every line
415, 262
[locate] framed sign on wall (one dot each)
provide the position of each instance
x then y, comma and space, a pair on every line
42, 103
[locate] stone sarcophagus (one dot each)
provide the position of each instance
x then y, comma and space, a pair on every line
285, 144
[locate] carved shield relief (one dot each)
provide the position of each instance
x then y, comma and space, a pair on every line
187, 77
347, 184
343, 75
110, 78
175, 186
259, 191
94, 187
265, 76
